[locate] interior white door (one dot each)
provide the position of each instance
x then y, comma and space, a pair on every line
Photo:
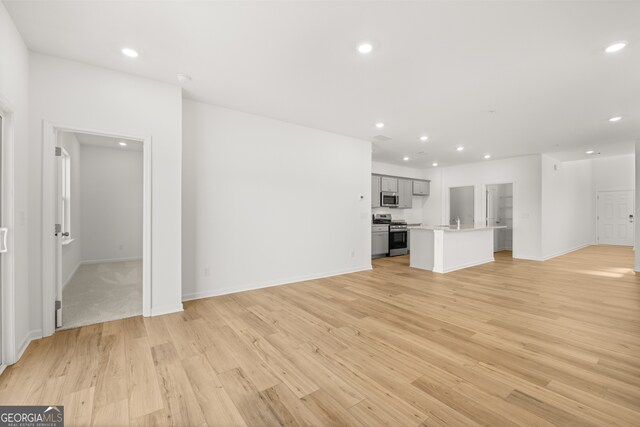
615, 217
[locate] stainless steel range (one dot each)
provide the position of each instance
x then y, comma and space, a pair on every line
388, 236
398, 239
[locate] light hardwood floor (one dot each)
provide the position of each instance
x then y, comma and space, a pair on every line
507, 343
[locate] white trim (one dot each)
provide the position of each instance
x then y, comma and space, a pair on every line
105, 261
7, 281
166, 309
48, 277
560, 253
147, 229
528, 258
49, 267
31, 335
513, 216
447, 201
269, 283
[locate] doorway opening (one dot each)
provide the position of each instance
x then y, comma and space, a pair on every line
499, 212
461, 206
100, 216
107, 204
615, 217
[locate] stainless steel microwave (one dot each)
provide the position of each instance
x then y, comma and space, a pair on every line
388, 199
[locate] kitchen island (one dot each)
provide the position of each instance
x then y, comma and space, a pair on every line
443, 249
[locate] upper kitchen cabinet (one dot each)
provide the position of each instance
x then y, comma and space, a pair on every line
375, 191
405, 199
388, 183
420, 188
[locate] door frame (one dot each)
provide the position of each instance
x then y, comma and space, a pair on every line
633, 203
49, 263
513, 204
7, 282
446, 206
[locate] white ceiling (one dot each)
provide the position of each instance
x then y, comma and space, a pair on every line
108, 142
437, 68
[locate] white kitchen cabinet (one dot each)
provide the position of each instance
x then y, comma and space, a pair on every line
389, 184
379, 241
405, 193
420, 188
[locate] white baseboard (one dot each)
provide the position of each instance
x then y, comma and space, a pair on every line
527, 257
270, 283
166, 309
554, 255
32, 335
560, 253
102, 261
64, 285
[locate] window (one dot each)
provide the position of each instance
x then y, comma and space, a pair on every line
65, 208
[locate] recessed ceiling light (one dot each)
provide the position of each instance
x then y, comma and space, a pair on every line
460, 148
127, 51
615, 47
365, 48
589, 152
487, 156
379, 125
424, 138
406, 159
615, 119
122, 143
434, 164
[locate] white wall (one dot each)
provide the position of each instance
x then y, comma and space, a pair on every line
14, 90
82, 96
614, 173
525, 174
267, 202
567, 206
111, 198
413, 215
72, 252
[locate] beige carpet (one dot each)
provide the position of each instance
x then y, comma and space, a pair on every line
102, 292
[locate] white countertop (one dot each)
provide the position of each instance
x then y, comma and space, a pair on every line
454, 228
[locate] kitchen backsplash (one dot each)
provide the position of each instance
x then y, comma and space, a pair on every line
412, 216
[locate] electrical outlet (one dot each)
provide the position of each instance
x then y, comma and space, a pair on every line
353, 254
207, 272
120, 247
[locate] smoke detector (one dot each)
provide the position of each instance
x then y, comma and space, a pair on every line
183, 78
